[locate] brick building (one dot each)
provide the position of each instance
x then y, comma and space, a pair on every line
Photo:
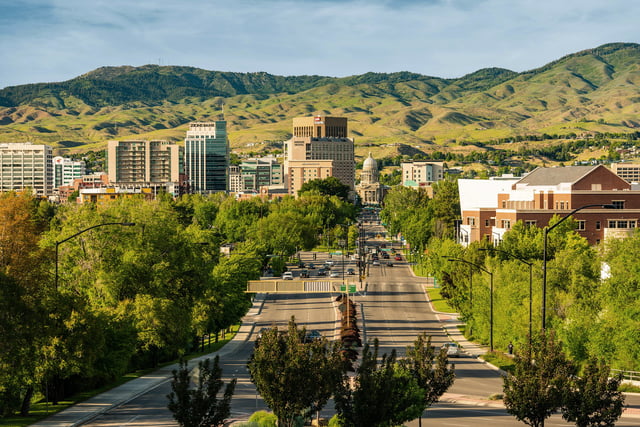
545, 192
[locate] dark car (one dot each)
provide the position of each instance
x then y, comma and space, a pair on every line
304, 273
301, 264
311, 336
322, 272
389, 264
351, 271
311, 266
385, 255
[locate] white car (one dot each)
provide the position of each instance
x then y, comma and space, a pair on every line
453, 350
334, 274
287, 275
329, 262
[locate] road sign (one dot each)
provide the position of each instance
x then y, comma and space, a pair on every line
352, 288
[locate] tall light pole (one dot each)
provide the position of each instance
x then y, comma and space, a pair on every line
480, 267
546, 231
58, 243
530, 264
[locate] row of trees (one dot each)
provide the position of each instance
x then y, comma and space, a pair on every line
593, 297
131, 297
296, 379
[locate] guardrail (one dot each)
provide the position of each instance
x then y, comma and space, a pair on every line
627, 375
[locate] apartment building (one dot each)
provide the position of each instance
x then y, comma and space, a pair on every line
140, 162
26, 166
545, 192
66, 170
319, 148
207, 157
630, 172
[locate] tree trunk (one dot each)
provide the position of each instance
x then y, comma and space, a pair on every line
26, 402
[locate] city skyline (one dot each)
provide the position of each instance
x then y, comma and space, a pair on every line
56, 40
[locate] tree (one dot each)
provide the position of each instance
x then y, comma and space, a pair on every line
295, 378
434, 381
200, 406
385, 394
593, 399
539, 382
330, 186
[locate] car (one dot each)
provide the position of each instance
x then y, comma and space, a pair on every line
398, 258
301, 264
311, 336
375, 262
453, 350
310, 266
329, 262
351, 271
287, 275
334, 274
389, 264
385, 255
304, 273
322, 272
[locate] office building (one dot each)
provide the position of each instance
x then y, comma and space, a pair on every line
545, 192
421, 174
319, 148
26, 166
143, 162
66, 170
207, 157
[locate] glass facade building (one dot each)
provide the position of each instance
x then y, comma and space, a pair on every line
207, 157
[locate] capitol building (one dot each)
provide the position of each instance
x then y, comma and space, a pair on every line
370, 191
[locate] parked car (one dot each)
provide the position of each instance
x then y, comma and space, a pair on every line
389, 264
351, 271
287, 275
334, 274
311, 266
304, 273
398, 258
301, 264
375, 262
453, 350
329, 262
322, 272
385, 255
311, 336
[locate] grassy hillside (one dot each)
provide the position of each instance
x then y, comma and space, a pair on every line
593, 90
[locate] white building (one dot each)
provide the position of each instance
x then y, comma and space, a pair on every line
66, 170
26, 166
421, 174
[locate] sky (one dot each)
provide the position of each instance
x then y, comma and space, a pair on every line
56, 40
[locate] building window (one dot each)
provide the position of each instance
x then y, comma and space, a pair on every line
487, 223
506, 223
598, 226
530, 223
618, 204
471, 220
581, 225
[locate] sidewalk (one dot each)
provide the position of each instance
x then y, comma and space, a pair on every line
97, 405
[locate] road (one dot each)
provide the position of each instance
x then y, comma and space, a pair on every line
394, 310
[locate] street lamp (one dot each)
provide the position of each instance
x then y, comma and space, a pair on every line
58, 243
530, 264
546, 231
490, 295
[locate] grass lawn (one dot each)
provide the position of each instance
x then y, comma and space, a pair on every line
439, 303
41, 409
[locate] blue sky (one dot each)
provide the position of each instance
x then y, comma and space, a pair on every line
55, 40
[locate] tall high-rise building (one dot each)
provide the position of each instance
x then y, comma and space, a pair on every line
207, 157
319, 148
66, 170
137, 162
26, 166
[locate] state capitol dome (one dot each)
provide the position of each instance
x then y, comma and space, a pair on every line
369, 173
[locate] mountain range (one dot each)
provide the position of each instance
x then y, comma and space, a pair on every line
595, 90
